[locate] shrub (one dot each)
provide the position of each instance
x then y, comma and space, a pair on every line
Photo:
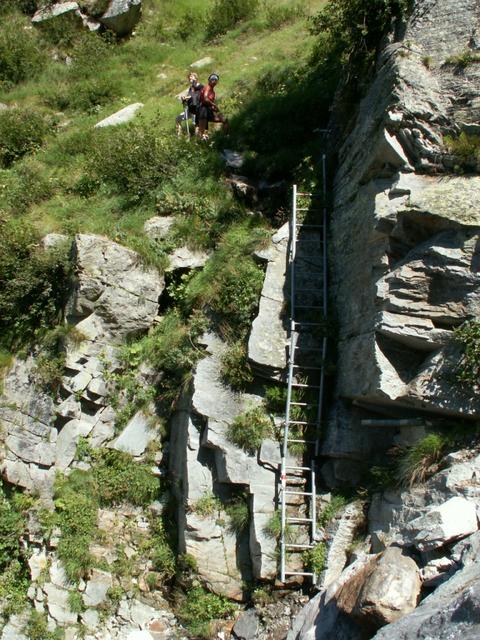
21, 56
463, 59
314, 559
249, 430
468, 368
327, 514
277, 16
76, 515
12, 6
120, 479
421, 460
33, 284
132, 159
231, 282
275, 399
226, 14
200, 608
208, 505
239, 514
22, 131
466, 149
190, 24
159, 550
26, 185
235, 368
37, 628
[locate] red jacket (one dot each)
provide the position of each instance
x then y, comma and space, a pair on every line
207, 96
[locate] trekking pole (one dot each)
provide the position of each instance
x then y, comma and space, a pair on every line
185, 112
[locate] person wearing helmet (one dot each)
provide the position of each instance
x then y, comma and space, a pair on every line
190, 101
208, 111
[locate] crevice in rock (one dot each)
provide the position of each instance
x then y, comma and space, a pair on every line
405, 360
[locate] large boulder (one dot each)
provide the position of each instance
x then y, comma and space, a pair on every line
122, 16
451, 612
120, 117
116, 296
389, 590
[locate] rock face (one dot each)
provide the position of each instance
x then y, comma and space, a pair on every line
115, 295
432, 515
40, 431
268, 337
204, 463
405, 238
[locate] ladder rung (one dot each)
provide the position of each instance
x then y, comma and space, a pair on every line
303, 404
298, 520
298, 468
302, 441
305, 423
309, 226
311, 194
302, 366
298, 573
298, 385
291, 545
298, 493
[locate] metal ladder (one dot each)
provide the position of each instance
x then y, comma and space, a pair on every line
307, 350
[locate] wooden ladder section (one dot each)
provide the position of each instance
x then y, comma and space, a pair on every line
306, 356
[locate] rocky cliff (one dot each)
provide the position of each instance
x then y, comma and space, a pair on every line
404, 257
404, 250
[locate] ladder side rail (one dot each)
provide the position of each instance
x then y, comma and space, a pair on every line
283, 472
325, 303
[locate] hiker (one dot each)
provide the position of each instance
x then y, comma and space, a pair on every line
208, 111
190, 100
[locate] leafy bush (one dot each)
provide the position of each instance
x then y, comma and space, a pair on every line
277, 16
21, 55
468, 368
466, 149
120, 479
159, 550
207, 505
226, 14
189, 25
421, 460
13, 6
22, 131
132, 159
353, 28
275, 399
327, 514
235, 368
463, 59
200, 608
239, 514
76, 506
250, 429
33, 284
24, 186
314, 559
37, 628
231, 282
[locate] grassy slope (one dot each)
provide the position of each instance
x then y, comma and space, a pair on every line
134, 66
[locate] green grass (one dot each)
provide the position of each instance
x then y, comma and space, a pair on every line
250, 429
